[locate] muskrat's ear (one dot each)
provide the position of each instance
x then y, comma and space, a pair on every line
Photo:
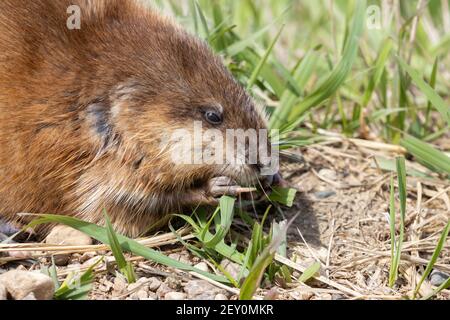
99, 120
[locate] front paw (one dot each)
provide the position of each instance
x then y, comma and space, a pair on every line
225, 186
213, 190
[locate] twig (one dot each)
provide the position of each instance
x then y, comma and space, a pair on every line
329, 282
330, 244
308, 247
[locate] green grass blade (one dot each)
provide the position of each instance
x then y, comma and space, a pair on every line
277, 231
301, 75
443, 286
222, 248
263, 60
256, 239
226, 219
53, 273
203, 21
432, 85
246, 263
425, 153
114, 243
241, 45
310, 272
74, 288
337, 76
194, 14
252, 282
392, 228
205, 227
378, 72
401, 177
125, 267
427, 90
129, 245
434, 257
285, 196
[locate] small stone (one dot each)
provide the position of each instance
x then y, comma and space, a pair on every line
232, 268
141, 283
152, 296
61, 259
133, 286
220, 296
163, 290
175, 296
133, 296
154, 284
62, 235
202, 266
144, 281
20, 284
305, 296
120, 285
142, 294
86, 256
324, 194
3, 292
201, 290
437, 278
195, 287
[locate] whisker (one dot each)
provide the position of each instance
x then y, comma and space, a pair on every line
262, 188
255, 212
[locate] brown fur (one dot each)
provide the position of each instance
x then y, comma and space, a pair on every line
81, 111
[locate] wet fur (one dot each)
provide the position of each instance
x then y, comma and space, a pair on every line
82, 111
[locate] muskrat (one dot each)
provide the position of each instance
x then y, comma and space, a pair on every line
83, 110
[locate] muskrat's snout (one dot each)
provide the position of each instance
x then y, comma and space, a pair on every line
275, 180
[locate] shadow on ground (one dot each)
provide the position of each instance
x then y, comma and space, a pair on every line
306, 223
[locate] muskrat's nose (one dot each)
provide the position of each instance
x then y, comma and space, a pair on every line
267, 181
273, 180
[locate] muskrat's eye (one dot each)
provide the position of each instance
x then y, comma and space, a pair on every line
213, 117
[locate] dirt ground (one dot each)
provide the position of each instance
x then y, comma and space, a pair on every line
343, 223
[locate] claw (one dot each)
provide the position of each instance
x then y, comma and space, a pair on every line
225, 186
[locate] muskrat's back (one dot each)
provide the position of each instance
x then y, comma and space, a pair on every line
48, 75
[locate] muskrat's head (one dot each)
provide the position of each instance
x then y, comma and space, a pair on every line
181, 117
